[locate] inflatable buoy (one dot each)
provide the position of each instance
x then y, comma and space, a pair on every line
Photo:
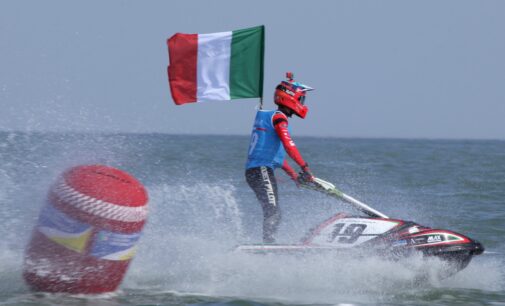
87, 232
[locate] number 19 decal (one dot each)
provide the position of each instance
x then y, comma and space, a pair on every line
348, 233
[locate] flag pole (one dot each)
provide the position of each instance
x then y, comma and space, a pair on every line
262, 64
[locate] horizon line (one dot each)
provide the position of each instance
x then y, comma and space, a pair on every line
91, 132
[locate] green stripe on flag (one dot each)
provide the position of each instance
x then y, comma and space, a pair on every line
246, 67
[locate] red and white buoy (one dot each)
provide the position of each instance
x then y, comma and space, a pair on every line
87, 232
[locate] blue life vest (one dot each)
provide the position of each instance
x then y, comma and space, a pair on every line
265, 148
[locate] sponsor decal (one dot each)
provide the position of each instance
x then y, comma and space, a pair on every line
434, 238
426, 239
63, 230
399, 243
268, 185
114, 246
418, 240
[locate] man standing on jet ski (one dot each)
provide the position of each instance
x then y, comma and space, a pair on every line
270, 141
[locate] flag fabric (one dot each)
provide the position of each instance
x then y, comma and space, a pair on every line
216, 66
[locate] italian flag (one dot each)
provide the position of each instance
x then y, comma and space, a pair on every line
216, 66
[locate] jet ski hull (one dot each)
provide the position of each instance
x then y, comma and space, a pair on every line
390, 239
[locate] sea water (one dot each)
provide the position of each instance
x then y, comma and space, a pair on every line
200, 207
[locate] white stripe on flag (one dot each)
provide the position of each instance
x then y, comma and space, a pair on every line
213, 66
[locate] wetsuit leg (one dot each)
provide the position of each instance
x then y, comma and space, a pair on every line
262, 181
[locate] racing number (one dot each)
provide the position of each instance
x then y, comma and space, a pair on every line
254, 142
351, 232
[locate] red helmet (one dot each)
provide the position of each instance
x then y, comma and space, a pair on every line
291, 94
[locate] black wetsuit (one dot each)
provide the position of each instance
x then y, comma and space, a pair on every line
262, 181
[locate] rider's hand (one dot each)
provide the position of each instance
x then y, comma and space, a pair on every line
306, 175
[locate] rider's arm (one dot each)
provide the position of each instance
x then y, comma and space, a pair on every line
280, 122
289, 170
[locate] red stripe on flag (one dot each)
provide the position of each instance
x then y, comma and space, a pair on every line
182, 49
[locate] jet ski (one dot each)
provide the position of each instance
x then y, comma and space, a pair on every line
374, 233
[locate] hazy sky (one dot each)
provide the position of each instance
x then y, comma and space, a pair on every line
432, 69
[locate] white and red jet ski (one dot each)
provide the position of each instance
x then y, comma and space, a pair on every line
377, 234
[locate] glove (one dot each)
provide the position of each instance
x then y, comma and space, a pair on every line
305, 175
